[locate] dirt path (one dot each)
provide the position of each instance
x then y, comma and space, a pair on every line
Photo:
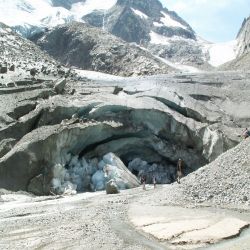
85, 221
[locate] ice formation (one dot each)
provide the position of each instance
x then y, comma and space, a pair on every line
81, 175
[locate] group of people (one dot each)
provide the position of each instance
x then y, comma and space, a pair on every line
179, 175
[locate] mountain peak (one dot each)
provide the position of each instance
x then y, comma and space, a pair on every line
149, 7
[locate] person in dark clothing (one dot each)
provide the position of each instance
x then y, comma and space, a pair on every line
143, 182
179, 170
154, 181
246, 133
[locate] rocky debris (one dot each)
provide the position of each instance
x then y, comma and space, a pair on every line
111, 187
93, 49
224, 182
23, 58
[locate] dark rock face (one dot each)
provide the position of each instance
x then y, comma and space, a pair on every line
134, 30
86, 47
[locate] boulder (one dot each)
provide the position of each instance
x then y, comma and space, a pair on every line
12, 67
111, 187
117, 171
3, 69
33, 72
59, 86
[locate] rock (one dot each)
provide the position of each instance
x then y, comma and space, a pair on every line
6, 145
3, 69
111, 187
12, 67
116, 170
117, 90
36, 185
33, 72
60, 85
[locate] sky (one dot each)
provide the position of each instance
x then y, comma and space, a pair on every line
213, 20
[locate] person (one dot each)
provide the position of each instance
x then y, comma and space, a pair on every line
154, 181
246, 133
143, 182
179, 170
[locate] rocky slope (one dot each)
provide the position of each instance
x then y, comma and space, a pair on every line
19, 56
224, 182
86, 47
147, 122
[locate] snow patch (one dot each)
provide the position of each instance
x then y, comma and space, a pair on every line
81, 9
169, 22
93, 75
140, 14
156, 24
158, 39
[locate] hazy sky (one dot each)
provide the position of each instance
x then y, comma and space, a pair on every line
214, 20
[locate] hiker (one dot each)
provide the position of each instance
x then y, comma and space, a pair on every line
246, 133
143, 182
154, 181
179, 170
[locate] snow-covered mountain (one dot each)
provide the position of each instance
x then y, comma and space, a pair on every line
31, 16
146, 23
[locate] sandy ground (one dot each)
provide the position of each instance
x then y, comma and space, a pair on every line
90, 221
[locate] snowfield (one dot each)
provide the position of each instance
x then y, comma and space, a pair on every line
221, 53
